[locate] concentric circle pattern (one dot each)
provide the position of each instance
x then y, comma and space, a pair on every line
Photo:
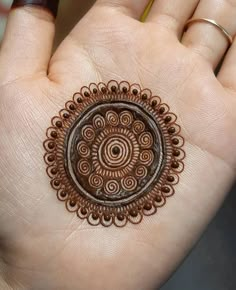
114, 153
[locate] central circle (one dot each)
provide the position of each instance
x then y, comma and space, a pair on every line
104, 152
116, 150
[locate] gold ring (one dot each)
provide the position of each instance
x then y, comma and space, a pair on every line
210, 21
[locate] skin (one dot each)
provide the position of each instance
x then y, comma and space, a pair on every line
42, 246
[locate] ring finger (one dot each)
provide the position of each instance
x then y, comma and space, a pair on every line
204, 38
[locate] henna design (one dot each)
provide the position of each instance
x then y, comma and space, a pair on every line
114, 153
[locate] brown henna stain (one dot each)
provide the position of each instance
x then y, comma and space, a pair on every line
114, 153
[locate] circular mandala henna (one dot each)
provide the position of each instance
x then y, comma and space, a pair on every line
114, 153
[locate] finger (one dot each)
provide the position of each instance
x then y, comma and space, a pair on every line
172, 14
27, 43
227, 73
133, 8
205, 38
94, 38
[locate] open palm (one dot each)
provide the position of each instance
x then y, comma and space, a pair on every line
42, 246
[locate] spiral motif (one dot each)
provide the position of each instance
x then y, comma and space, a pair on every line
112, 118
146, 140
88, 133
116, 151
129, 183
147, 157
98, 122
111, 187
138, 127
83, 149
83, 167
96, 181
141, 171
126, 118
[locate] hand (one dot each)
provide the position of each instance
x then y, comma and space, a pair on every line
42, 245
